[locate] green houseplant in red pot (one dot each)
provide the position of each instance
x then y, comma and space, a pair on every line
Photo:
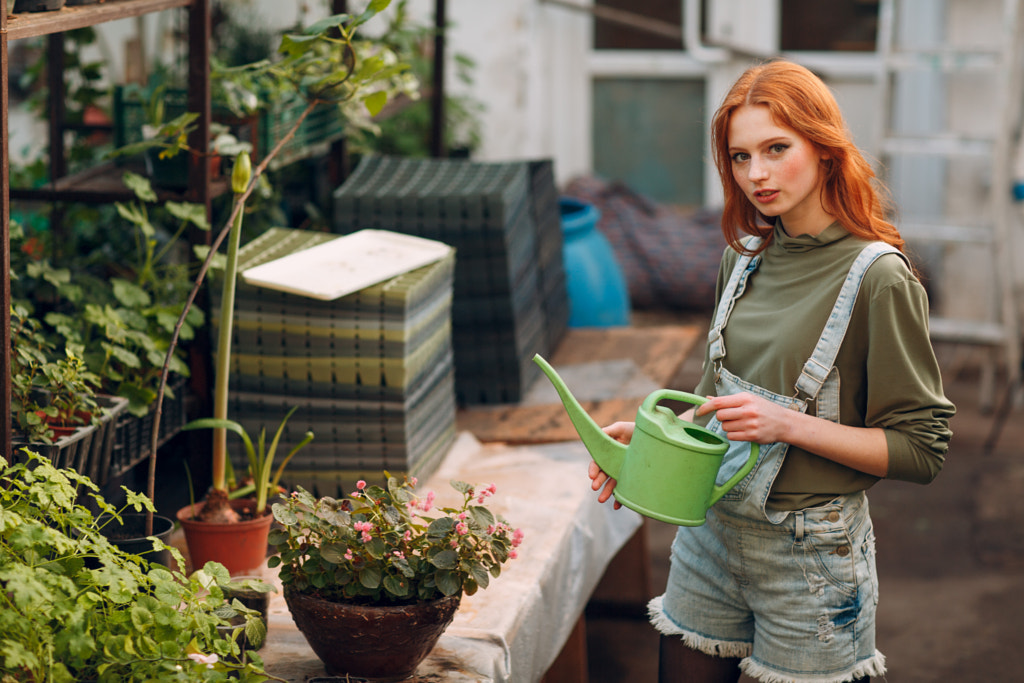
372, 581
241, 544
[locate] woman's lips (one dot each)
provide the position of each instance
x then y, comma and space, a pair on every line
765, 196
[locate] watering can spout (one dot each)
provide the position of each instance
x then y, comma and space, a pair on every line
608, 453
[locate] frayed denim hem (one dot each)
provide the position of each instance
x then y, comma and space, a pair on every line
716, 648
873, 666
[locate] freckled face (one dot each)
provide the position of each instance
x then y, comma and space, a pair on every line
777, 169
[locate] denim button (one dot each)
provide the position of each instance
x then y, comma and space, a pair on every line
833, 516
843, 550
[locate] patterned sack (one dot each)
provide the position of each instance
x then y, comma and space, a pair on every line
669, 256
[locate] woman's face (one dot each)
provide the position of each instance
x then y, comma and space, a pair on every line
777, 169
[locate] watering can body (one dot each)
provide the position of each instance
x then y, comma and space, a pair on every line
668, 470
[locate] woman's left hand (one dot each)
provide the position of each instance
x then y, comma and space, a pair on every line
746, 417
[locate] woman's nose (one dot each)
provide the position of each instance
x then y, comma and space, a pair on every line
757, 170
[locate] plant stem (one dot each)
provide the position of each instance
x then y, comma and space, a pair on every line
223, 369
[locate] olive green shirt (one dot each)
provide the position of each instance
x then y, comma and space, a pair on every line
889, 377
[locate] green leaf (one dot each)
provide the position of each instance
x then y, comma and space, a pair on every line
396, 586
140, 185
370, 577
130, 294
333, 552
448, 582
446, 559
375, 102
187, 211
441, 527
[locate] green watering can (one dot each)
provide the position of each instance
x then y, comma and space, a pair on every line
668, 470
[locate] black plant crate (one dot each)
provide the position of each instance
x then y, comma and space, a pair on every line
133, 440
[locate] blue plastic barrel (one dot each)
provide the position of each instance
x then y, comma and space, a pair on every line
598, 294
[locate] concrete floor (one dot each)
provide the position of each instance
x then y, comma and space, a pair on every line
950, 558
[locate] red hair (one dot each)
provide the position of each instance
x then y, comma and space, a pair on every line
798, 99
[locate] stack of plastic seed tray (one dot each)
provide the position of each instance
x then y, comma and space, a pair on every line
509, 300
372, 372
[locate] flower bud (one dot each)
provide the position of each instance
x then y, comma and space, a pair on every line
241, 173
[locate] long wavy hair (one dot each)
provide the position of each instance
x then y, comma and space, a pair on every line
799, 100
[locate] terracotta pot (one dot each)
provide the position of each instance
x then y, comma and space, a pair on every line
376, 643
240, 547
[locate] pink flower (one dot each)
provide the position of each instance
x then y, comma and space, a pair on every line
365, 528
360, 484
209, 660
407, 536
455, 543
414, 481
517, 538
485, 492
348, 554
463, 515
462, 528
513, 554
490, 530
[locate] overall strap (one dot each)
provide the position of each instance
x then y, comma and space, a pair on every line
746, 265
817, 368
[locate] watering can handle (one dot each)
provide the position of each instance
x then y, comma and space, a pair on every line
672, 395
720, 491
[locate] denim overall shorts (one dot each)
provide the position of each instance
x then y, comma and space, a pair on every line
793, 594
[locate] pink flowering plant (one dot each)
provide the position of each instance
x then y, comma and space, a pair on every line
389, 546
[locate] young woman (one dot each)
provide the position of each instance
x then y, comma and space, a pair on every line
819, 352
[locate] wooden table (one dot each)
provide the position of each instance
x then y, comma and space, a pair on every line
583, 358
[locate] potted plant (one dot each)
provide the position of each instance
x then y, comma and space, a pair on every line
239, 544
360, 572
54, 404
323, 65
73, 607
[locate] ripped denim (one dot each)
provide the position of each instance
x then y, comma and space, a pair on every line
796, 601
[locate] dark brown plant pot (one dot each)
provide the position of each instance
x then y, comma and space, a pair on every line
376, 643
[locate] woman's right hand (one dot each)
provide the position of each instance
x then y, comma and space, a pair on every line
623, 433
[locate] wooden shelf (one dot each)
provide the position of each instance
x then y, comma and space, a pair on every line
30, 24
102, 184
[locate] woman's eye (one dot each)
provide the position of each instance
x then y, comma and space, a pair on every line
778, 148
740, 157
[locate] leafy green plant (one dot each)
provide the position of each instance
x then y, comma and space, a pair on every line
260, 457
406, 128
74, 607
47, 390
124, 318
381, 546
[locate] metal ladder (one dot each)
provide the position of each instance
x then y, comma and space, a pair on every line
950, 174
